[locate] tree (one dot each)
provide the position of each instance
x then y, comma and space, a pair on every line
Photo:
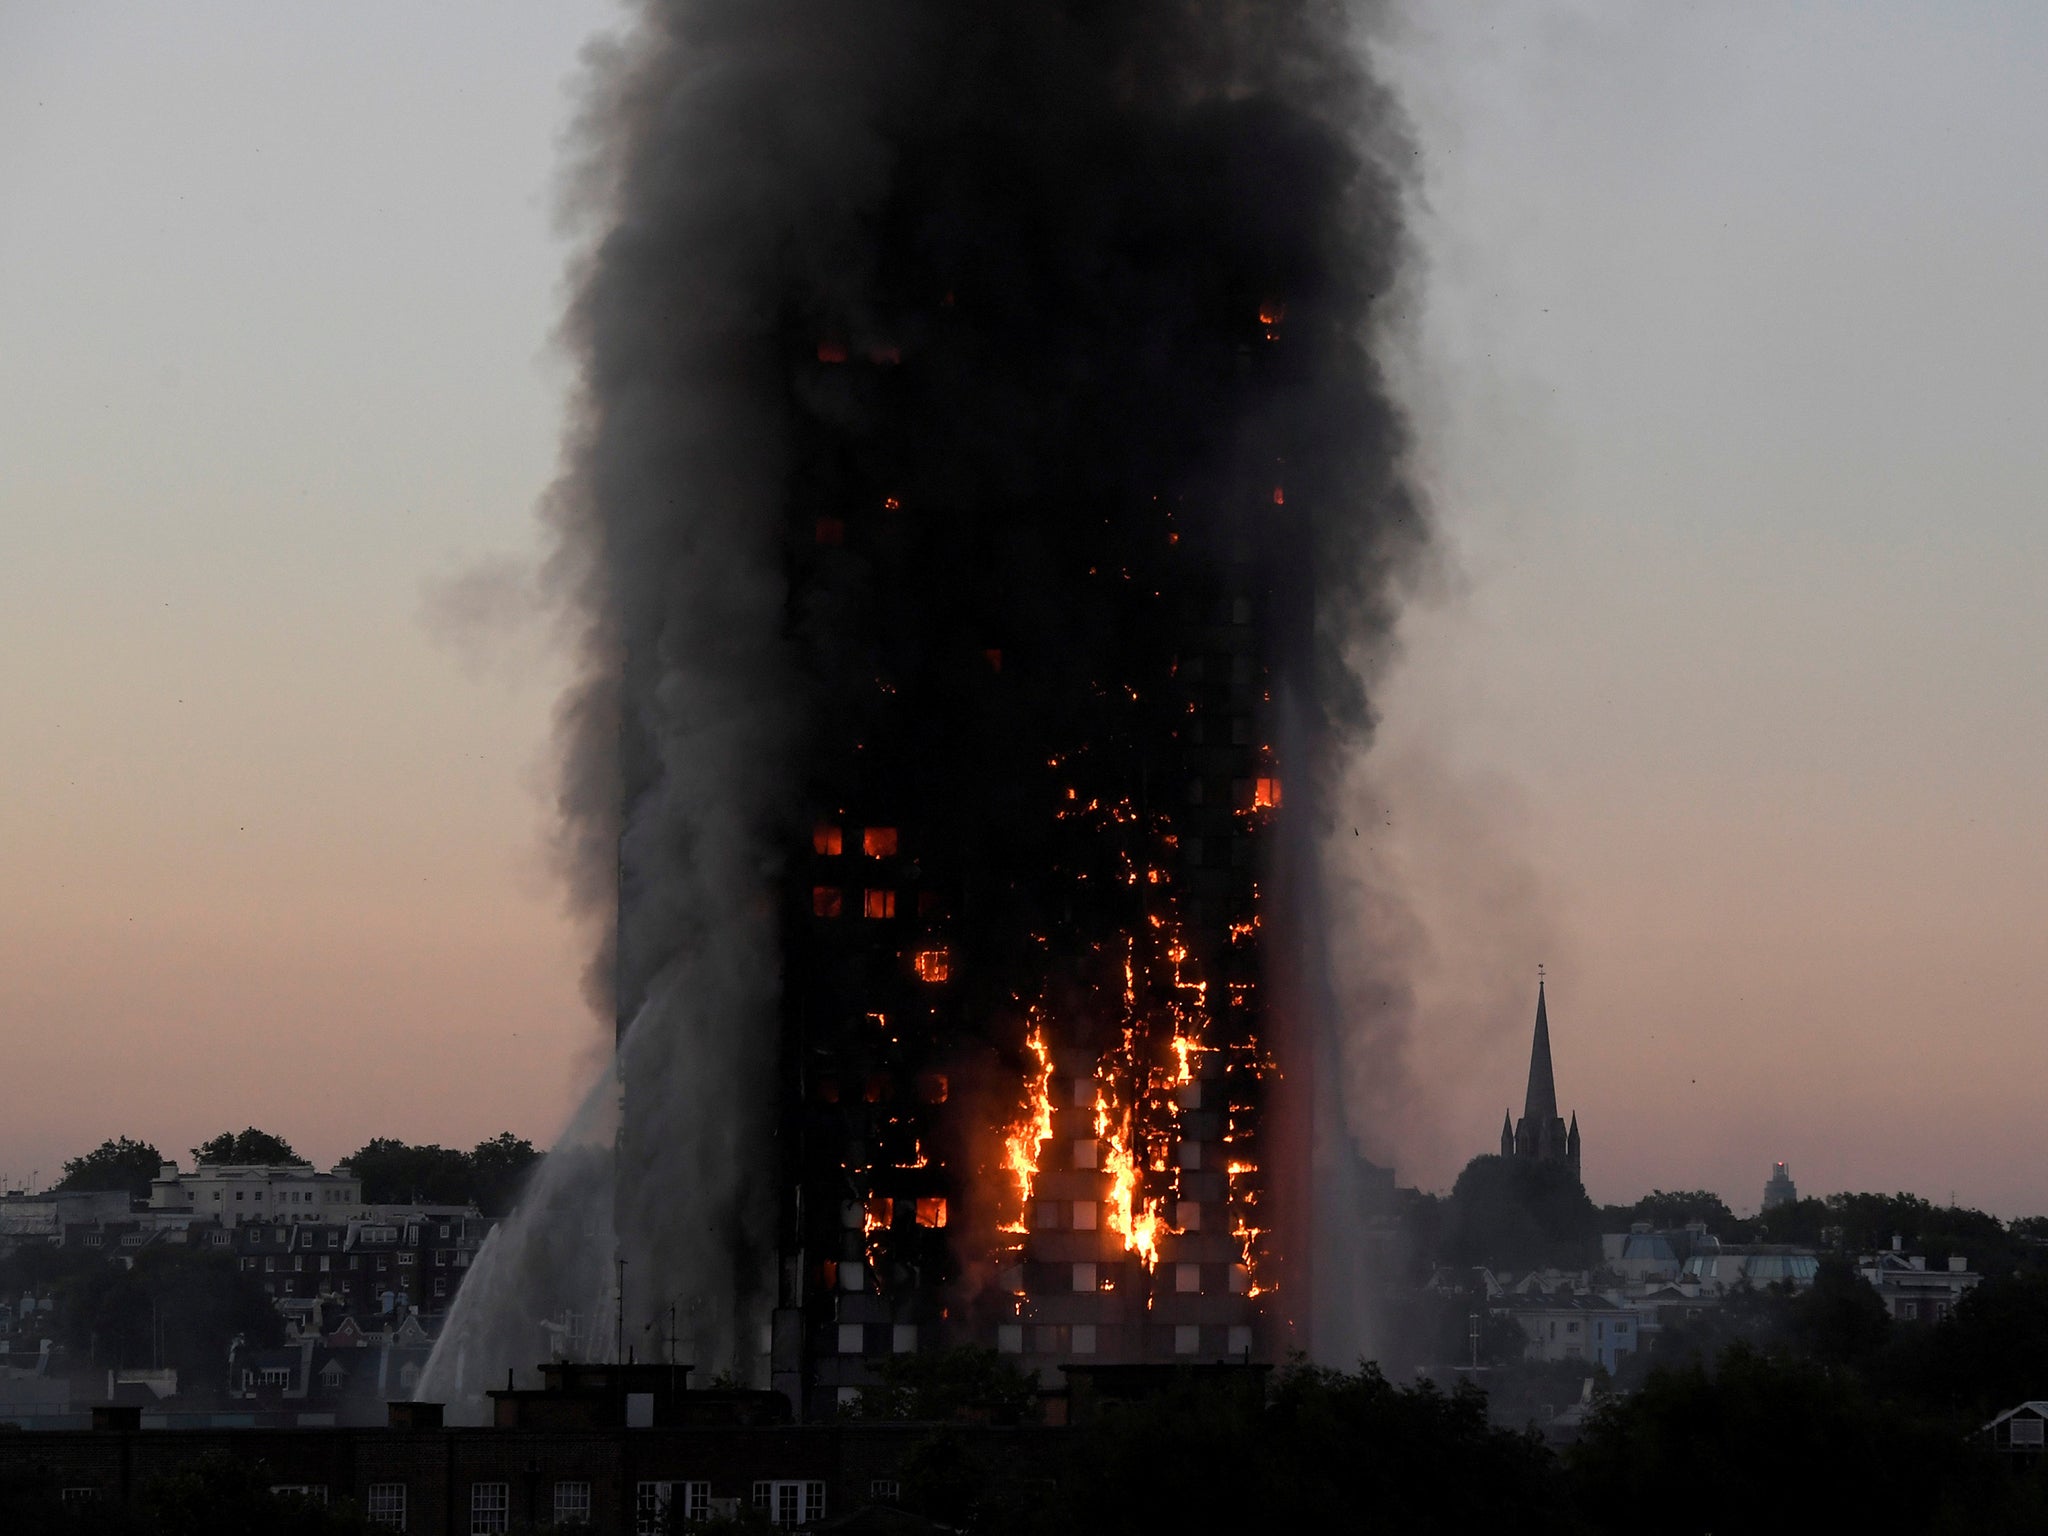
250, 1146
1840, 1319
116, 1164
1508, 1213
394, 1173
1676, 1208
177, 1307
967, 1383
500, 1167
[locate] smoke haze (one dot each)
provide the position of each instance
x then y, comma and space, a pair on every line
1063, 220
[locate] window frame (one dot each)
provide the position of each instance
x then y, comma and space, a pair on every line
385, 1504
575, 1510
490, 1508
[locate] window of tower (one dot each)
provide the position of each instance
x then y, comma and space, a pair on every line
878, 904
1265, 793
931, 1210
879, 842
827, 901
826, 840
933, 965
931, 1087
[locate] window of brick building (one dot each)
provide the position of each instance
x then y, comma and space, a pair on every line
789, 1501
656, 1505
572, 1503
386, 1505
490, 1508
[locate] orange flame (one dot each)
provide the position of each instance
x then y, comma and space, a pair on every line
1034, 1129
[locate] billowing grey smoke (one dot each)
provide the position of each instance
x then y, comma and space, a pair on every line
770, 172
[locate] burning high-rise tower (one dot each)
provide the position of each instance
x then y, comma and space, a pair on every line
983, 486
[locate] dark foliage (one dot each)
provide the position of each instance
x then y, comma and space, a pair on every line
116, 1164
1511, 1214
249, 1146
1667, 1210
967, 1385
1787, 1439
499, 1169
177, 1307
395, 1173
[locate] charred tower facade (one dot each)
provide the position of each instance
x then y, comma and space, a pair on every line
984, 487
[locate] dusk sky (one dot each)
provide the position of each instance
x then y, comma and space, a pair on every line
1728, 702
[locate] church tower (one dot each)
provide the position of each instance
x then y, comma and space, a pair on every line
1541, 1135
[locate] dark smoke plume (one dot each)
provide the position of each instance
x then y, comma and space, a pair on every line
1040, 234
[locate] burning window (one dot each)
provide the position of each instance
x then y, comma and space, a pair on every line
831, 531
880, 1213
827, 901
877, 904
931, 1087
879, 842
933, 965
931, 1210
1265, 793
826, 840
1279, 496
879, 1089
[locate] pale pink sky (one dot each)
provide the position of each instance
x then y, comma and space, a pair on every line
1729, 361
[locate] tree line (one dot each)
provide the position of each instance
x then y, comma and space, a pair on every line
489, 1175
1515, 1215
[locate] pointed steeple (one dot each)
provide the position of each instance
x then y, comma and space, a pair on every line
1540, 1109
1507, 1134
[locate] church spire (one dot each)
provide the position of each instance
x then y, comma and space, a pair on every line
1540, 1109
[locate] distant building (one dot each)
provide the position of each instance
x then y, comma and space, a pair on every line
235, 1193
1640, 1255
1541, 1135
1780, 1190
1912, 1292
1578, 1326
1718, 1266
2021, 1431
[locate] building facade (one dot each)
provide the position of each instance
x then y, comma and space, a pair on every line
1779, 1188
234, 1193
